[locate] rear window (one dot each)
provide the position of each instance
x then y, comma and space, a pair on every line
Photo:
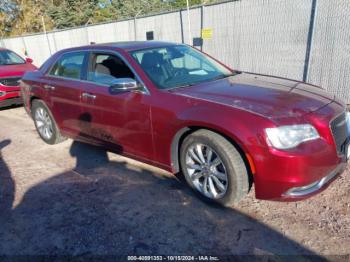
69, 65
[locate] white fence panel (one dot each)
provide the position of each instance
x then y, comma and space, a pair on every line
330, 55
195, 24
166, 27
111, 32
37, 48
124, 31
262, 36
71, 38
16, 44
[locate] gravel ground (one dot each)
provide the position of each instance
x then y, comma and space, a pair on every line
76, 199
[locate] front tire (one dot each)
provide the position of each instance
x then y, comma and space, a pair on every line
213, 167
45, 123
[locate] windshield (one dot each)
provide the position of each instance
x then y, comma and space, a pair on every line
8, 57
178, 66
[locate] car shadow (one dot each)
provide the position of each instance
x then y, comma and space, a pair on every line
110, 207
7, 184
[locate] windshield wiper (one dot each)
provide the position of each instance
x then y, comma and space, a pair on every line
208, 80
219, 77
182, 86
224, 76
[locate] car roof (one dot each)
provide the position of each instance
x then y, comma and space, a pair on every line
126, 46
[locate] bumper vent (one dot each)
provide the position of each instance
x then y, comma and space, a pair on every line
340, 132
13, 81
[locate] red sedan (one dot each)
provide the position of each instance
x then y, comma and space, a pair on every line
12, 68
176, 108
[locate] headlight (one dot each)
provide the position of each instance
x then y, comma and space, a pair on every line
285, 137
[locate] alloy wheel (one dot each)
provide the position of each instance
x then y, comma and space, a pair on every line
43, 123
206, 171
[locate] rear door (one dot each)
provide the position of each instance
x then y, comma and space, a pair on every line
64, 86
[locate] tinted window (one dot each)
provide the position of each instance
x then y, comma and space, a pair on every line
105, 69
8, 57
177, 66
69, 65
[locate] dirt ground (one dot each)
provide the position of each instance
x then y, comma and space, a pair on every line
76, 199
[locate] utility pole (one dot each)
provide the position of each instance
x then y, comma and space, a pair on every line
189, 22
135, 19
135, 24
47, 38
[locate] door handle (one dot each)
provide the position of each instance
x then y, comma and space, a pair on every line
87, 95
48, 87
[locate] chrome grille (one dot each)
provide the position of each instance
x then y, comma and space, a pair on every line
13, 81
340, 132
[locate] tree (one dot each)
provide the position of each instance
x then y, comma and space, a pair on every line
29, 17
24, 16
70, 13
7, 16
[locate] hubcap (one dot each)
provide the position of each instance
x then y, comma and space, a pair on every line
206, 170
43, 123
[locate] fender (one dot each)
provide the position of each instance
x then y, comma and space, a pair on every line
236, 132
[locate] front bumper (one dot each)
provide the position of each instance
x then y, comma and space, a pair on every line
299, 173
10, 96
11, 102
315, 187
288, 177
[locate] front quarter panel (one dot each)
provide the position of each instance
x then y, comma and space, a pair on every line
173, 113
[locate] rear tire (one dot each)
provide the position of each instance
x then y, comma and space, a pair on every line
45, 124
214, 168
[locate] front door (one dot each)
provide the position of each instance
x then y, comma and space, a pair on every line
121, 120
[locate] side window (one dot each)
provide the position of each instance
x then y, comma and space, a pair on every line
106, 68
69, 65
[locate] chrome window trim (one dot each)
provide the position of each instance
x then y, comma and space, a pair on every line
112, 52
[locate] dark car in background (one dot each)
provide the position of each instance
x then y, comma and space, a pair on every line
12, 68
174, 107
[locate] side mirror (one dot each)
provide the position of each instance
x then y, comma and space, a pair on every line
123, 85
29, 60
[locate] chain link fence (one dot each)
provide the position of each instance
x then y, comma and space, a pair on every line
330, 53
300, 39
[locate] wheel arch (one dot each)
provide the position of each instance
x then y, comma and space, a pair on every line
29, 106
32, 98
186, 131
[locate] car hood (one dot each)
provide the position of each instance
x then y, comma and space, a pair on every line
270, 97
15, 70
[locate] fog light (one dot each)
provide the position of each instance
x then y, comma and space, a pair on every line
2, 93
